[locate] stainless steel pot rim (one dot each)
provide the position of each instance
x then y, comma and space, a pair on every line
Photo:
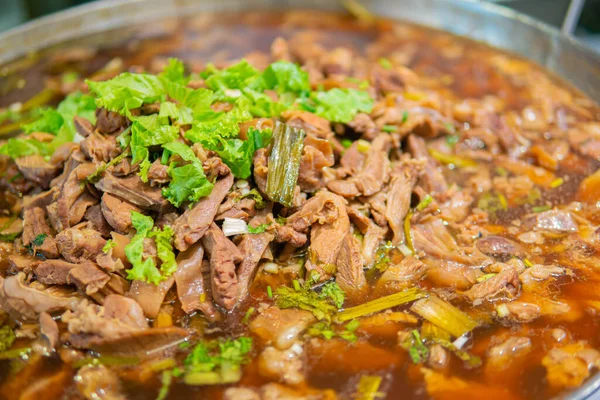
482, 21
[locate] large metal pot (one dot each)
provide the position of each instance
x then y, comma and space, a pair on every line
112, 21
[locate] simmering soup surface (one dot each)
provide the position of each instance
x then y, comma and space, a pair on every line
295, 206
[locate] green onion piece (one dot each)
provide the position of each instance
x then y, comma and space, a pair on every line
389, 128
502, 310
527, 263
248, 314
231, 375
346, 143
284, 163
166, 363
385, 63
485, 277
433, 332
368, 387
15, 353
424, 203
97, 174
444, 315
451, 159
380, 304
166, 380
404, 116
106, 360
407, 234
539, 209
363, 146
556, 183
417, 351
269, 292
296, 285
358, 10
452, 139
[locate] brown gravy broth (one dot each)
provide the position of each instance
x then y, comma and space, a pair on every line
458, 77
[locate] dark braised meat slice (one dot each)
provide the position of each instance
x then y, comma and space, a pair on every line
36, 169
150, 296
100, 148
132, 189
350, 275
109, 121
252, 247
54, 272
79, 245
195, 221
117, 212
88, 278
432, 179
34, 225
223, 256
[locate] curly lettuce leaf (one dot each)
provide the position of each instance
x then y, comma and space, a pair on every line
127, 91
339, 105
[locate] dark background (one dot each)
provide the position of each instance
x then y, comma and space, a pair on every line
15, 12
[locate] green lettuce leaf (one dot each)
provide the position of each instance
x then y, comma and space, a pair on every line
237, 76
285, 76
127, 91
339, 105
175, 72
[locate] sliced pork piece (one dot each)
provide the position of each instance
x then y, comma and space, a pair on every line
281, 328
191, 286
371, 241
195, 221
24, 301
432, 179
36, 169
553, 221
94, 379
96, 220
223, 256
83, 126
149, 295
373, 175
99, 148
88, 278
158, 173
117, 212
79, 245
445, 273
252, 247
403, 179
404, 274
109, 121
500, 247
18, 263
63, 213
316, 155
54, 272
132, 189
49, 329
286, 366
34, 224
504, 284
350, 275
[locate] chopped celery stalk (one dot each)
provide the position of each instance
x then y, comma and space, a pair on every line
284, 163
15, 353
444, 315
225, 375
380, 304
433, 332
107, 360
368, 387
455, 160
407, 233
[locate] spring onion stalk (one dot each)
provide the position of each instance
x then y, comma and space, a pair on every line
556, 183
452, 159
284, 163
433, 332
485, 277
166, 380
444, 315
380, 304
368, 387
107, 360
424, 203
224, 376
234, 226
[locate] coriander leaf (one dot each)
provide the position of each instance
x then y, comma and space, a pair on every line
304, 299
164, 250
259, 201
417, 351
334, 292
127, 91
39, 239
259, 229
208, 356
175, 72
7, 338
285, 76
341, 105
